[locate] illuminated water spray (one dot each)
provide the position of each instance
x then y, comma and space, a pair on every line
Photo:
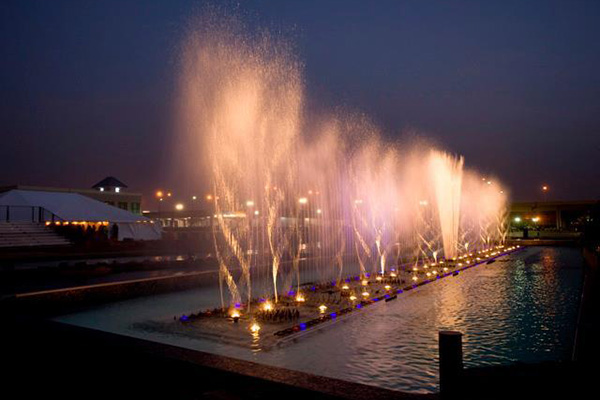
295, 200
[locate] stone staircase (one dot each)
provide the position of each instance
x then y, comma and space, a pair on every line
17, 234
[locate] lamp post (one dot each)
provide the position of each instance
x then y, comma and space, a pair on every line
545, 189
302, 201
192, 217
159, 196
536, 221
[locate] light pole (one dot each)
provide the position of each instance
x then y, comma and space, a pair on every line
535, 221
159, 196
302, 201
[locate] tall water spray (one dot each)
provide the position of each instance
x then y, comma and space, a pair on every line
296, 207
447, 172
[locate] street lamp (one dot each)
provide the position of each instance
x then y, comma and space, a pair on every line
159, 196
302, 201
179, 206
545, 189
535, 221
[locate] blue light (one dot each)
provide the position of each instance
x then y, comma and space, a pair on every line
347, 280
237, 305
387, 296
376, 299
333, 315
367, 275
291, 293
399, 291
184, 318
359, 306
303, 326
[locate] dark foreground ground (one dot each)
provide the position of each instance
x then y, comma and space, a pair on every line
43, 359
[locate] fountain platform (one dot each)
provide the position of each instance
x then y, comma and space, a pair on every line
310, 307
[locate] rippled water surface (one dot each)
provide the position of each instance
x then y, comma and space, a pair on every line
522, 308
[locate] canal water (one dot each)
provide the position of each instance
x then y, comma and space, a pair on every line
521, 308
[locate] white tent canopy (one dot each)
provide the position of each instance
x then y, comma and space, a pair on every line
75, 207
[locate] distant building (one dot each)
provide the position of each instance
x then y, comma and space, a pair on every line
559, 215
109, 190
199, 218
71, 212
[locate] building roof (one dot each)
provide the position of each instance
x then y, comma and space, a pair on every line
109, 181
85, 192
69, 206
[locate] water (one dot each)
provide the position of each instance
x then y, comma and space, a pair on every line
522, 308
287, 181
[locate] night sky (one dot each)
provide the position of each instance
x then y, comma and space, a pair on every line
87, 88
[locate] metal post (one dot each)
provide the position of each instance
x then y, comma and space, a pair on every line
451, 362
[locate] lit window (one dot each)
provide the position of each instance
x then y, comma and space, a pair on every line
117, 189
102, 189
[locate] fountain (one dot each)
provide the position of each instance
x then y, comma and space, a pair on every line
315, 221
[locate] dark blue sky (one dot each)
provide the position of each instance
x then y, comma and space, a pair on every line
87, 88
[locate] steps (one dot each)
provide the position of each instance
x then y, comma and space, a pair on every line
15, 234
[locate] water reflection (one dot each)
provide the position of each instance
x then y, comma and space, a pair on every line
522, 308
